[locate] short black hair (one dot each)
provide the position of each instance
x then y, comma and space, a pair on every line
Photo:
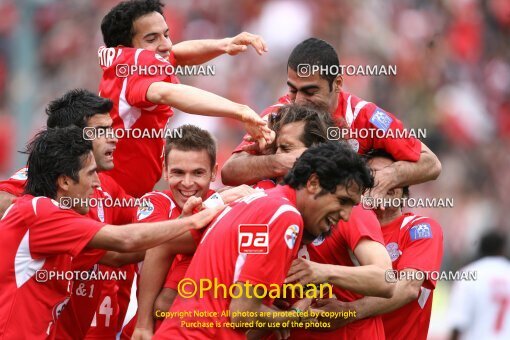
117, 25
75, 107
53, 153
193, 139
492, 243
335, 163
374, 153
315, 51
317, 122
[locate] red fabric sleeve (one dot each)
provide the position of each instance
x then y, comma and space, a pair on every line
138, 84
157, 209
87, 259
124, 214
56, 231
15, 185
272, 268
362, 224
422, 248
178, 271
402, 149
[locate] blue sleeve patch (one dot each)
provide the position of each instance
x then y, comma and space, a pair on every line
381, 119
420, 231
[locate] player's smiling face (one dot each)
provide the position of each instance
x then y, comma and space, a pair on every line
313, 90
189, 173
151, 33
103, 147
322, 211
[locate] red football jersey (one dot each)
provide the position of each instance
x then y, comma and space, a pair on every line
162, 207
414, 242
338, 249
358, 115
138, 161
219, 256
38, 238
91, 299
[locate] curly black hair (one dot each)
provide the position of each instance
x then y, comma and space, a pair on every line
335, 163
53, 153
117, 25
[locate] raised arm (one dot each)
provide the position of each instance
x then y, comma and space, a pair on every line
195, 101
139, 236
195, 52
244, 168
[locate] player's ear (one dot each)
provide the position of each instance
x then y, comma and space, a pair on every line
312, 185
165, 172
214, 172
337, 83
63, 183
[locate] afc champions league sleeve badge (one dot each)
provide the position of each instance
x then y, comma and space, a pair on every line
393, 251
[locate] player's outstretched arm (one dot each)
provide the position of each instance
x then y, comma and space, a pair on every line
403, 173
139, 236
406, 290
6, 200
368, 279
199, 102
195, 52
244, 168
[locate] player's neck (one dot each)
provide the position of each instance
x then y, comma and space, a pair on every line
387, 216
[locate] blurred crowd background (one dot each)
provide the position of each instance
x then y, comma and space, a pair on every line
453, 79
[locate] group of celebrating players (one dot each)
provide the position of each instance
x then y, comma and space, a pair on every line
286, 176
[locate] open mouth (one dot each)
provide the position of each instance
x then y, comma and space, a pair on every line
188, 193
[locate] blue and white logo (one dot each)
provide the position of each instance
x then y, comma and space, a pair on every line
381, 119
420, 231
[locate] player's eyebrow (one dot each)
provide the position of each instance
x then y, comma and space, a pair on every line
304, 88
155, 33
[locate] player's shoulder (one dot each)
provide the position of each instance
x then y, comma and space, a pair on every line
41, 206
279, 201
282, 101
20, 175
155, 201
421, 227
367, 111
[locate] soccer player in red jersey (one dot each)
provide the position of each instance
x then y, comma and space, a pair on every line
94, 302
414, 244
416, 163
135, 34
190, 167
324, 185
353, 257
39, 236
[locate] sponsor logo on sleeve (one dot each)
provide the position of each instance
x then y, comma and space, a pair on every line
420, 231
145, 211
291, 235
393, 251
381, 119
